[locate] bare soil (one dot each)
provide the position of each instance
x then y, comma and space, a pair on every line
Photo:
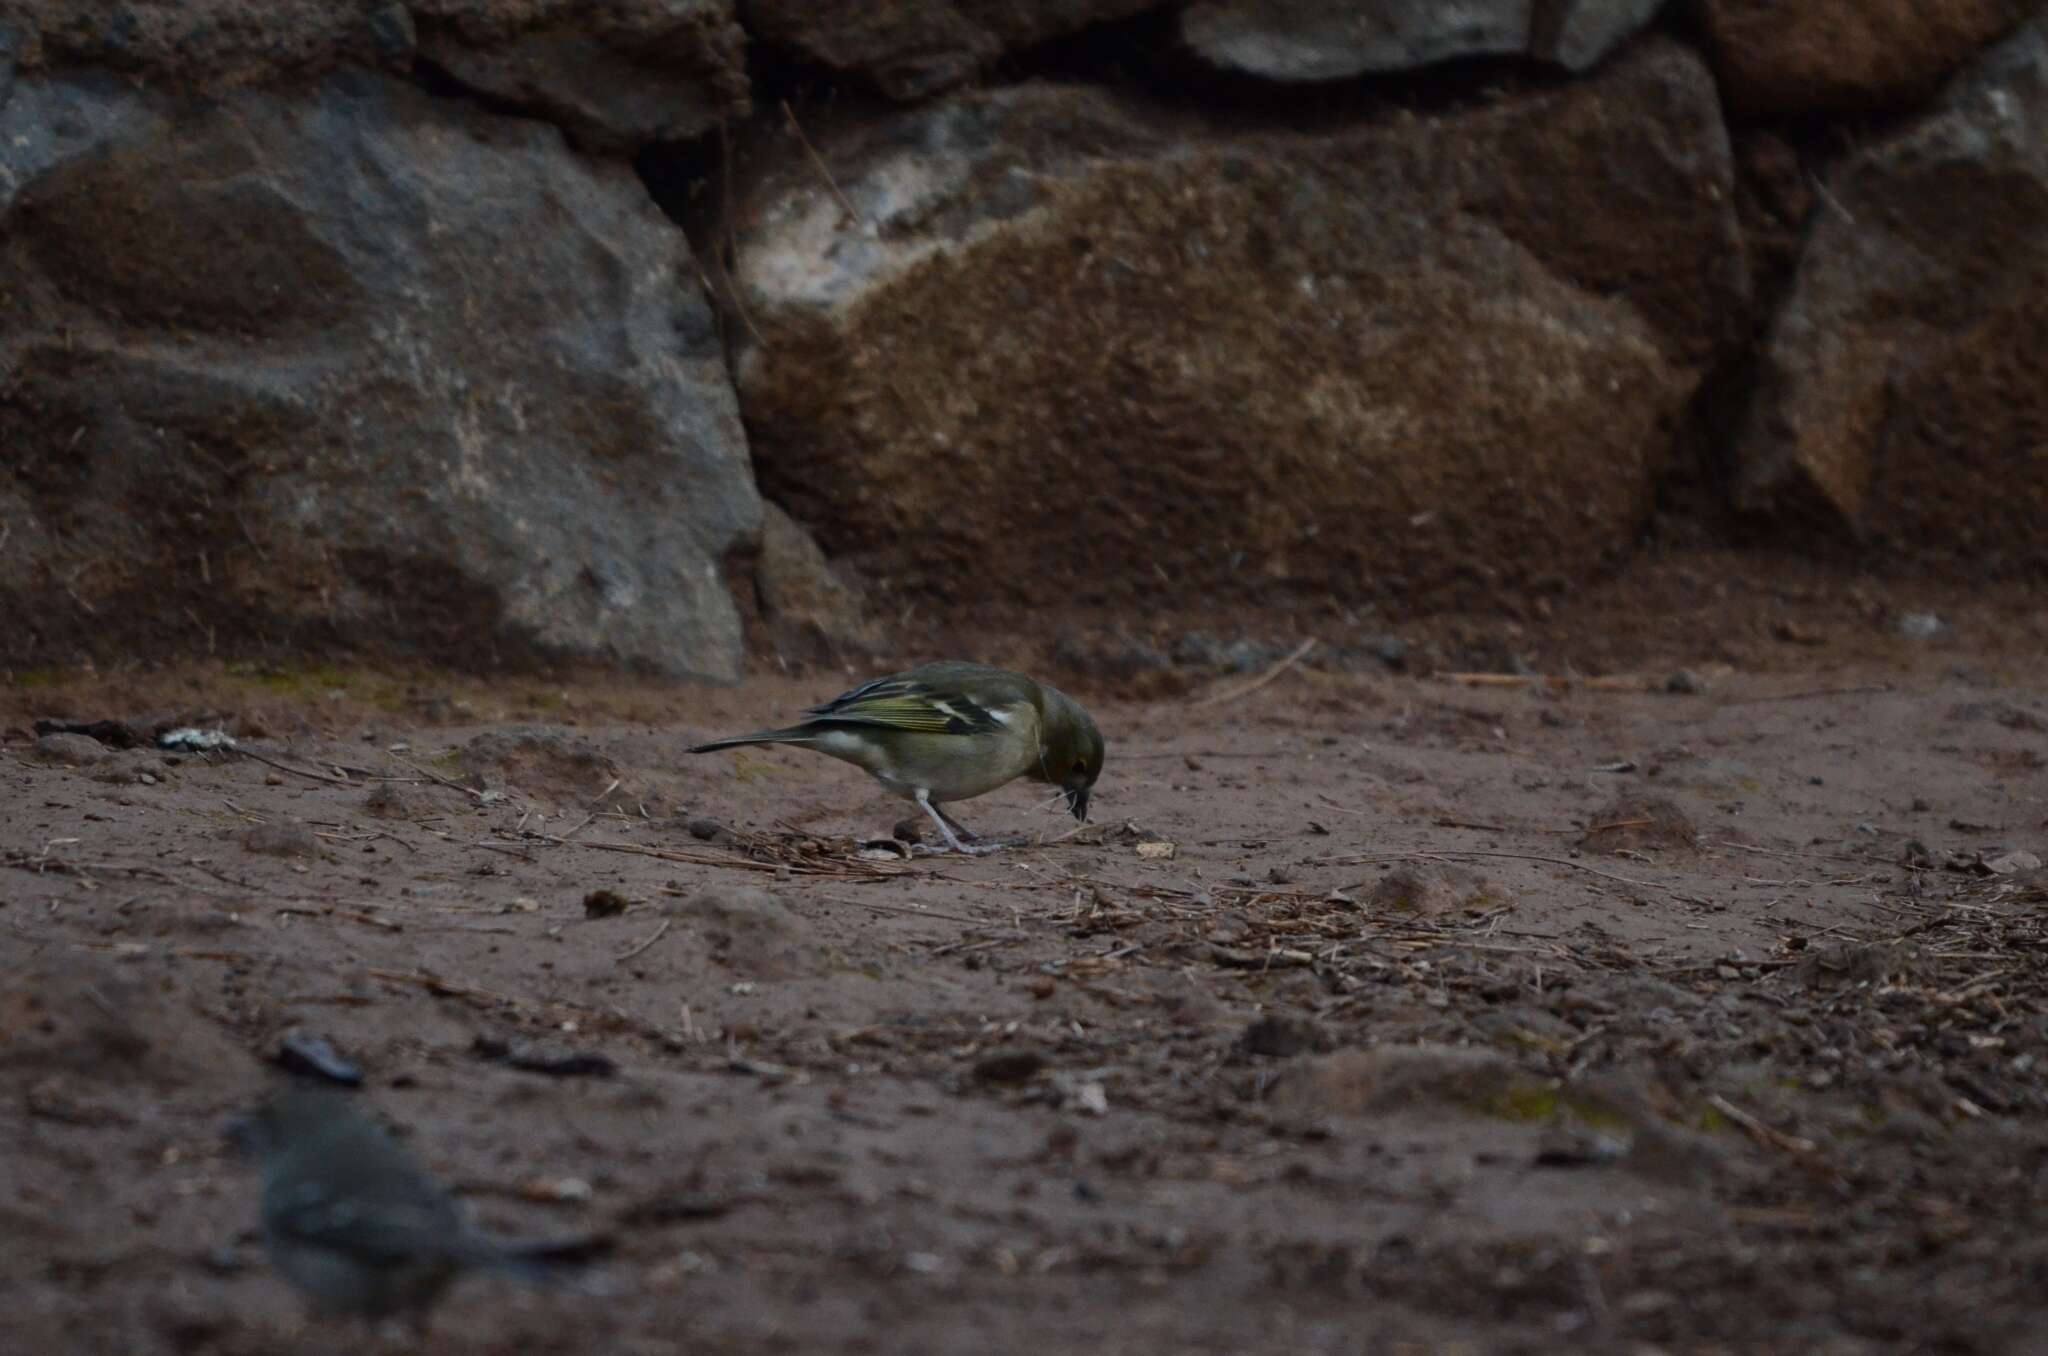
1373, 1010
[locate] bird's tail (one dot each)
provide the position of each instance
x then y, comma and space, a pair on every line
535, 1263
794, 734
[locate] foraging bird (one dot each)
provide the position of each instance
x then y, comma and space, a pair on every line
951, 731
351, 1219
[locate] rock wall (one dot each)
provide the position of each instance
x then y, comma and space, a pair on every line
357, 327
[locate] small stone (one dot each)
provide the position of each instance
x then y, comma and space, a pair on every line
1686, 683
71, 750
908, 831
704, 829
604, 904
1920, 625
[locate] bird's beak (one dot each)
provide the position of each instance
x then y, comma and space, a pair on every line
1077, 801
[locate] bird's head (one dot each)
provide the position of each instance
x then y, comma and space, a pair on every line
1071, 756
290, 1117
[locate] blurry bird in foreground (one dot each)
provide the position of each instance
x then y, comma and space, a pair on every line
352, 1220
951, 731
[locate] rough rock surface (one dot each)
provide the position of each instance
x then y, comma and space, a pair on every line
662, 71
804, 600
912, 49
539, 52
1071, 348
1837, 56
1901, 398
1302, 41
352, 367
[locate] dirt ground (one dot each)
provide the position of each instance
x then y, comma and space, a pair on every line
1374, 1012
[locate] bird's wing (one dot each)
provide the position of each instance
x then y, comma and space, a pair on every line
372, 1229
906, 701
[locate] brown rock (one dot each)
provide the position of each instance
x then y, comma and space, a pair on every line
614, 77
1838, 56
1073, 345
912, 49
1901, 400
803, 599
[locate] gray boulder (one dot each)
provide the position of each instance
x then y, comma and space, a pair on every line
1303, 41
354, 368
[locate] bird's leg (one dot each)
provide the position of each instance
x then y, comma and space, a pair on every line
985, 844
966, 833
946, 829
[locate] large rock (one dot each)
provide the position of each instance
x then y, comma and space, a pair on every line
1902, 397
809, 607
1845, 56
207, 42
1071, 352
357, 367
911, 49
615, 79
617, 74
1302, 41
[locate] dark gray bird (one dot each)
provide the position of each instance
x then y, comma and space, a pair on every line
352, 1220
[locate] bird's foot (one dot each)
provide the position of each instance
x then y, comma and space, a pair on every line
980, 847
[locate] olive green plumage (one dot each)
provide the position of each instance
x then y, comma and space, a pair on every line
951, 731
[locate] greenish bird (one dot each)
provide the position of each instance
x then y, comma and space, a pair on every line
951, 731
